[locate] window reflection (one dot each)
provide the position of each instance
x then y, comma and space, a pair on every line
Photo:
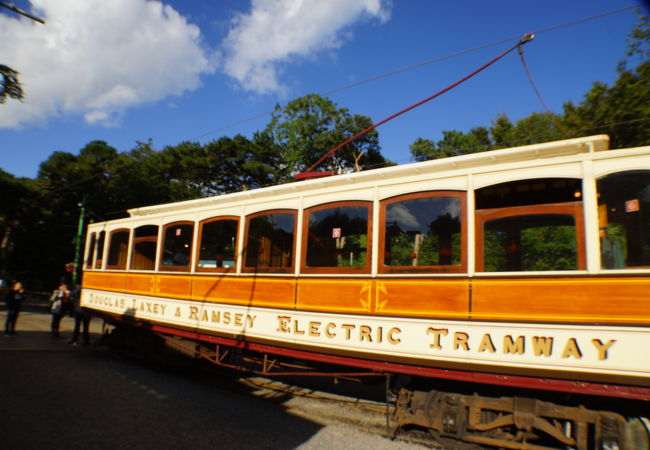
270, 241
118, 250
338, 237
423, 231
177, 246
143, 255
530, 243
624, 219
218, 244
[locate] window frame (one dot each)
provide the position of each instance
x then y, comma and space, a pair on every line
161, 248
90, 251
100, 251
287, 270
110, 243
136, 240
574, 209
383, 206
336, 270
197, 251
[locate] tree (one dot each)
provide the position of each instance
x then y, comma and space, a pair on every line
9, 85
310, 126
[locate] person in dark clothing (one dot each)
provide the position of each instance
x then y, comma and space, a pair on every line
81, 319
58, 305
13, 300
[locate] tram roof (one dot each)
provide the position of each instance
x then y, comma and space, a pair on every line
555, 149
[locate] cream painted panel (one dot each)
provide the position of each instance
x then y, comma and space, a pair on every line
443, 184
573, 170
606, 167
365, 194
235, 210
268, 204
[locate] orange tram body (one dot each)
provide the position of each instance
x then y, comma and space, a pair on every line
522, 268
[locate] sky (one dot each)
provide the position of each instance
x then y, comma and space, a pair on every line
129, 71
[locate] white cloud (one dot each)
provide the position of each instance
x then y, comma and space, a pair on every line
94, 58
274, 32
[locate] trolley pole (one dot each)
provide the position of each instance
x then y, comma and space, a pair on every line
77, 244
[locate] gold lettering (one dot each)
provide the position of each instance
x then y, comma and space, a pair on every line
216, 316
486, 344
314, 328
348, 331
328, 330
227, 318
391, 338
295, 328
283, 324
204, 316
510, 346
571, 349
542, 345
437, 332
239, 319
178, 312
602, 348
251, 320
364, 333
460, 340
380, 335
194, 313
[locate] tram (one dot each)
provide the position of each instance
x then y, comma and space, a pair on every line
523, 272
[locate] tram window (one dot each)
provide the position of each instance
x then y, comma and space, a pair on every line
143, 254
177, 246
337, 237
90, 250
218, 244
529, 192
535, 242
118, 248
423, 232
624, 219
100, 250
270, 241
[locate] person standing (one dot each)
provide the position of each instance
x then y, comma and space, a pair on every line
81, 319
58, 305
13, 300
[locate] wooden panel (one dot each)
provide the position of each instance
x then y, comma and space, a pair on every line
270, 292
141, 284
344, 295
602, 300
105, 280
419, 297
174, 286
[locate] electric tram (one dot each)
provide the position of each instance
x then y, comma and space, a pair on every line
521, 276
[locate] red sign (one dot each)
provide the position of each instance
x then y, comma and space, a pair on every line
632, 205
336, 232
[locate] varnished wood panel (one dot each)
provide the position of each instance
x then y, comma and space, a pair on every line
589, 300
173, 286
105, 280
270, 292
421, 297
344, 295
141, 284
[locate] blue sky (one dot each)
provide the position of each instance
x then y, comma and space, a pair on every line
131, 70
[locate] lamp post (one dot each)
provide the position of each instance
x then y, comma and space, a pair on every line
77, 244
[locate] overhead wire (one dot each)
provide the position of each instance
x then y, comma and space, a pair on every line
427, 62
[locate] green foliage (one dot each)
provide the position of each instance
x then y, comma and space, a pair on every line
9, 84
310, 126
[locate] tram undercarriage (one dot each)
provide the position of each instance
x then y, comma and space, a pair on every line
453, 420
517, 422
